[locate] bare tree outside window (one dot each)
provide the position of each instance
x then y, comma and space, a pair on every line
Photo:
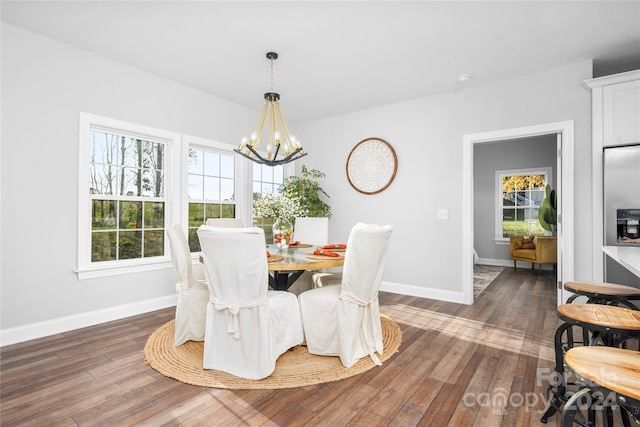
129, 222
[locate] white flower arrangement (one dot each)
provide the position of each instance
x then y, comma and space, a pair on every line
277, 207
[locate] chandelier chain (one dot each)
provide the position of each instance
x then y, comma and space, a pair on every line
272, 59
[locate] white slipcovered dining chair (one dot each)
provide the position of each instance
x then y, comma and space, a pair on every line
248, 327
193, 294
344, 320
225, 222
311, 230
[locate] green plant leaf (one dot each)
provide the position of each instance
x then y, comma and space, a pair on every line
547, 213
306, 189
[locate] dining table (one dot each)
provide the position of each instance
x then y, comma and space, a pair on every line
287, 265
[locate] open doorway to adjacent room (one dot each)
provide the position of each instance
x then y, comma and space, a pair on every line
555, 144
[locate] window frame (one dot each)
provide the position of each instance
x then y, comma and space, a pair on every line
242, 179
86, 269
543, 170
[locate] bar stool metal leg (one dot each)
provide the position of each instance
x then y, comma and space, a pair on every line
558, 397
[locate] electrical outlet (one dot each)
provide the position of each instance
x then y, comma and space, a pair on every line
443, 214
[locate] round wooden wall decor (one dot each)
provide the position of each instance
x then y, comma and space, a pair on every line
371, 165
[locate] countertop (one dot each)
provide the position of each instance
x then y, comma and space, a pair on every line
626, 256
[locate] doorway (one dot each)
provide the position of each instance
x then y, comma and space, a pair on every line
565, 187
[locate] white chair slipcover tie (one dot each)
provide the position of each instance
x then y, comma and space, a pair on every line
232, 310
367, 331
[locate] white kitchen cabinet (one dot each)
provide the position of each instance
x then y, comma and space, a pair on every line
615, 121
621, 113
616, 109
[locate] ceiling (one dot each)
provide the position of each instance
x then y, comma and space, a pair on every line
339, 56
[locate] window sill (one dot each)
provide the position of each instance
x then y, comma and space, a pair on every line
111, 270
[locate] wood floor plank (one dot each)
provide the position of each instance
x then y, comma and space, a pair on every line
451, 355
449, 368
399, 389
343, 410
180, 412
413, 411
134, 414
61, 406
368, 419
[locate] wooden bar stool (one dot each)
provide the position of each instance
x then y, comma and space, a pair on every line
604, 293
606, 324
611, 374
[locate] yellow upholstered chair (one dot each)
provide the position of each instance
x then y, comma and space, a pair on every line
542, 250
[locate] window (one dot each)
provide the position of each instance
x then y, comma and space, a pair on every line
127, 196
215, 185
123, 196
266, 179
211, 189
519, 196
135, 180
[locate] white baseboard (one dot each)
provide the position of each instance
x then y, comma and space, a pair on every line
422, 292
509, 263
496, 262
64, 324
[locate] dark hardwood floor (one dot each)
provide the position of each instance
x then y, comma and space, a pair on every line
481, 365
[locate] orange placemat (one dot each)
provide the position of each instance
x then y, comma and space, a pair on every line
314, 256
301, 245
274, 258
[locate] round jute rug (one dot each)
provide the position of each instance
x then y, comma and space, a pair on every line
294, 368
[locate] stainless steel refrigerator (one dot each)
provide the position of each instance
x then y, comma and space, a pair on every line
621, 207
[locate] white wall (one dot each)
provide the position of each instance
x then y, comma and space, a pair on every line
427, 133
45, 84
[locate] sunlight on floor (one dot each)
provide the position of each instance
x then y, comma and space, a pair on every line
470, 330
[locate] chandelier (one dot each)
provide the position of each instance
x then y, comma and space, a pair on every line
282, 147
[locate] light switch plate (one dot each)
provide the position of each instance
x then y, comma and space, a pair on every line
443, 214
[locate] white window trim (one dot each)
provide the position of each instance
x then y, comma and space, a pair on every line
85, 268
545, 170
